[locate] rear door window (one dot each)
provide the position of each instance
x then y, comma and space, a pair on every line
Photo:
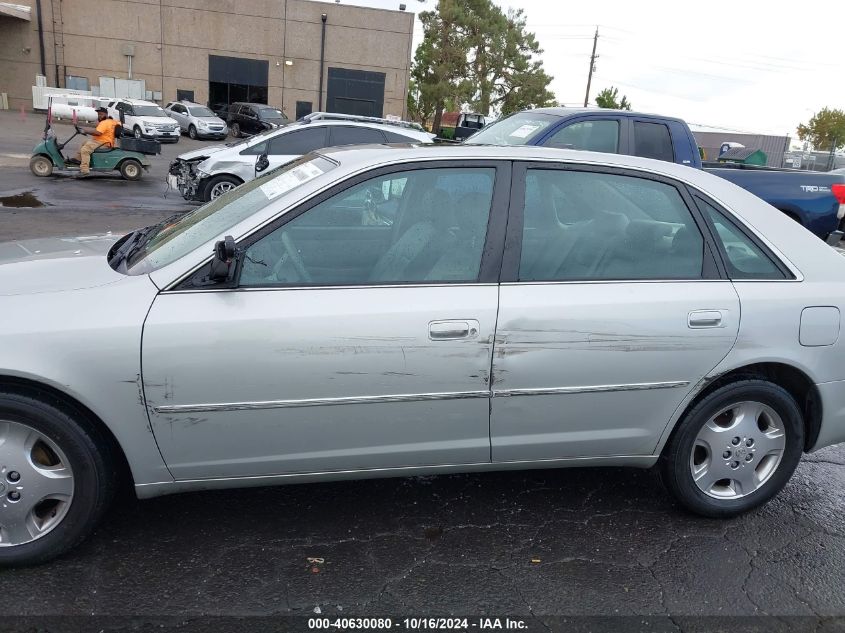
652, 140
743, 258
298, 142
348, 135
582, 225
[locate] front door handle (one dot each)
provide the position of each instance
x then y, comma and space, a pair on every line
452, 330
705, 318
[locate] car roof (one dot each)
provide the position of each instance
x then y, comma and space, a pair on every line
561, 111
257, 105
136, 101
189, 104
384, 127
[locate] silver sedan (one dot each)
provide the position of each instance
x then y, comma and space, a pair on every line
390, 311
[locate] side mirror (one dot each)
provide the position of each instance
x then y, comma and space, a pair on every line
261, 163
223, 264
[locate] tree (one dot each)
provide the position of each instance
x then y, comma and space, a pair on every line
609, 98
473, 53
505, 70
440, 62
826, 127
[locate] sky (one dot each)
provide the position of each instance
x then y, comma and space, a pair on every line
746, 65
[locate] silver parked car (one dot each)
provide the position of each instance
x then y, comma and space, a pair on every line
392, 311
196, 120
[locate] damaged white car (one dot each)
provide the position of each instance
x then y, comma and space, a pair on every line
208, 172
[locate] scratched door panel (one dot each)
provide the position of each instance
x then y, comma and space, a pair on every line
594, 369
302, 350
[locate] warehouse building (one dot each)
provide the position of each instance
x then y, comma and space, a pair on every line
300, 55
710, 139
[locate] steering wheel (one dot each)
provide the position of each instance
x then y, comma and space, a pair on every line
295, 257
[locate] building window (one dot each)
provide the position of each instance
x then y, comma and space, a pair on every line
184, 95
303, 108
76, 83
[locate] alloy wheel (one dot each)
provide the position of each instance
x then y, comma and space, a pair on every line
738, 450
36, 484
220, 188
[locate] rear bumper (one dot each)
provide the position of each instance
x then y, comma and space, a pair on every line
833, 414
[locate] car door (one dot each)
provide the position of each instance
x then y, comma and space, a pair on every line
249, 120
358, 335
180, 113
612, 310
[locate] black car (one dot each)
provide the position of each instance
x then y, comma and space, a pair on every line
245, 119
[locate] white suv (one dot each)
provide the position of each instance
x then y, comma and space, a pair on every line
208, 172
144, 119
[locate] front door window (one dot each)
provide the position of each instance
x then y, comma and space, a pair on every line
426, 225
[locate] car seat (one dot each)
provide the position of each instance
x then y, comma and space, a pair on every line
409, 257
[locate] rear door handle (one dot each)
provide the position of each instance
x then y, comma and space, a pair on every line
705, 318
452, 330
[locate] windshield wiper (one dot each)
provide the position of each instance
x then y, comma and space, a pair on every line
138, 239
130, 242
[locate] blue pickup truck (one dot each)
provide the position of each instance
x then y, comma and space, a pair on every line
814, 199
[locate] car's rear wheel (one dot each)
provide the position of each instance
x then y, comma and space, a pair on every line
735, 449
219, 185
56, 479
192, 132
130, 169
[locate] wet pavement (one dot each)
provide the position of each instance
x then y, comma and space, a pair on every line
536, 544
65, 205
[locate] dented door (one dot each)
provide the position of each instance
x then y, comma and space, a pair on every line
612, 311
309, 380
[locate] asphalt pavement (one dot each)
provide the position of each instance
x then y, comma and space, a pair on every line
63, 204
532, 545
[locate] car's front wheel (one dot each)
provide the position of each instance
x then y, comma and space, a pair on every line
192, 132
735, 449
136, 131
56, 479
236, 130
219, 185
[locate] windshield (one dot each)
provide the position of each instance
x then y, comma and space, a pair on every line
271, 113
148, 110
176, 239
517, 129
201, 111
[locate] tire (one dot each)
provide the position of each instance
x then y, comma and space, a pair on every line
761, 461
41, 166
130, 169
236, 130
136, 132
80, 449
192, 132
219, 185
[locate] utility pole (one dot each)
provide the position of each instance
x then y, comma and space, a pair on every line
593, 58
831, 160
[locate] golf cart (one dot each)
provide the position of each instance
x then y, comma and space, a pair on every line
128, 157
